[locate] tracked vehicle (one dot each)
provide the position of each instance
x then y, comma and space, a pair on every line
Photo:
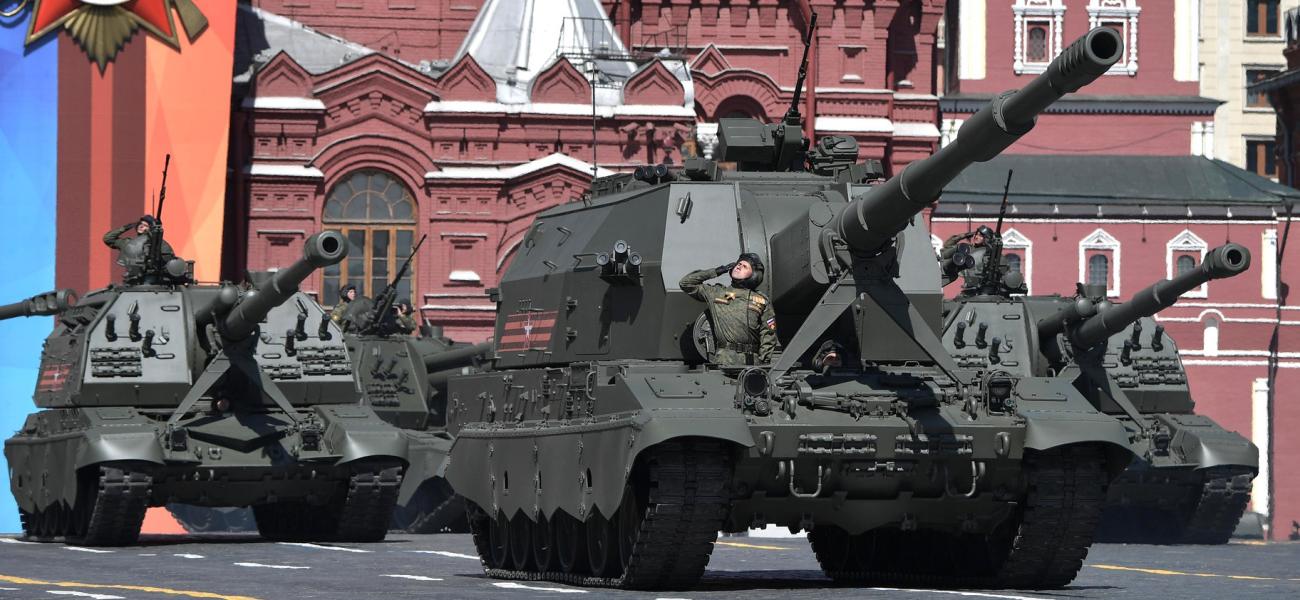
167, 391
603, 449
1190, 478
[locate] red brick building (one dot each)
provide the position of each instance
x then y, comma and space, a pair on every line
462, 119
1111, 187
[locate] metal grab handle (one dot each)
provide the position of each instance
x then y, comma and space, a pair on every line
794, 491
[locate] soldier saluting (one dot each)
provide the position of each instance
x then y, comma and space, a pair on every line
744, 325
134, 251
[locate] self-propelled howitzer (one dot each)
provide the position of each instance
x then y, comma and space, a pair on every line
1190, 478
208, 395
603, 448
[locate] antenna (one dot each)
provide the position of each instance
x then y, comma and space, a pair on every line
1002, 212
792, 116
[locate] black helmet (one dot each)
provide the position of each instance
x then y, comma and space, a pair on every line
149, 220
754, 280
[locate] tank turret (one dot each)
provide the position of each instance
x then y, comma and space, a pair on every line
321, 250
874, 218
40, 305
1227, 260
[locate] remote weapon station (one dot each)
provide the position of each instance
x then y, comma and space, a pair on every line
604, 449
164, 390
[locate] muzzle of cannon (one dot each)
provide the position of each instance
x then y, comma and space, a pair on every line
40, 305
321, 250
871, 220
1228, 260
456, 358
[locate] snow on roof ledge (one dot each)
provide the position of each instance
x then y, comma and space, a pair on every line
284, 170
517, 170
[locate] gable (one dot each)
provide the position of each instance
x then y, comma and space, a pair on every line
561, 83
466, 80
283, 77
710, 60
654, 84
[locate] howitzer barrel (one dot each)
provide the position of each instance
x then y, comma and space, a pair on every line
454, 359
49, 303
1227, 260
1080, 309
321, 250
874, 218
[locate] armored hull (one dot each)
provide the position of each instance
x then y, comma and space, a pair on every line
208, 396
404, 380
1189, 481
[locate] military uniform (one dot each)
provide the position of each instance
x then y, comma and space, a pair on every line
405, 324
340, 309
133, 250
744, 325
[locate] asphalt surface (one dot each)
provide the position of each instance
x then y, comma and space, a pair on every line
230, 567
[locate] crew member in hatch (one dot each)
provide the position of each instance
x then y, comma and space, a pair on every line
744, 325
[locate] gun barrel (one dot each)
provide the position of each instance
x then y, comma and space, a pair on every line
1227, 260
1051, 325
48, 303
321, 250
457, 358
874, 218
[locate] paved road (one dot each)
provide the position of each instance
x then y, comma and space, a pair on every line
227, 567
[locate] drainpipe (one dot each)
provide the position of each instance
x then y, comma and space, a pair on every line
1277, 100
810, 95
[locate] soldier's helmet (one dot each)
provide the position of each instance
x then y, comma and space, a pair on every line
754, 280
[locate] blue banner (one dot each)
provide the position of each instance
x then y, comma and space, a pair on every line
29, 112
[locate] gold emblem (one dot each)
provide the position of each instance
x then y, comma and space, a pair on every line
102, 27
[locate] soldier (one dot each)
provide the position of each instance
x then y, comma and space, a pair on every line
346, 296
133, 250
405, 323
744, 325
977, 242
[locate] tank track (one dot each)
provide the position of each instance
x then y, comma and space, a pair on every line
361, 515
110, 507
1222, 501
685, 501
1042, 547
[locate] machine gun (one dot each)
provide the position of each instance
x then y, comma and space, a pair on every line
380, 320
756, 146
153, 266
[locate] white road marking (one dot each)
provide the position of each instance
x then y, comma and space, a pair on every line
412, 577
4, 589
262, 566
959, 593
90, 550
85, 595
183, 555
9, 540
324, 547
146, 555
444, 553
510, 585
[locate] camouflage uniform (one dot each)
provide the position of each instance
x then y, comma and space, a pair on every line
744, 325
341, 307
115, 240
405, 324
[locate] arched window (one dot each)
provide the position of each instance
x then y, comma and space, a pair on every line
1186, 264
1036, 48
1210, 339
377, 213
1013, 263
1098, 270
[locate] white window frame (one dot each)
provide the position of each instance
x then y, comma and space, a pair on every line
1037, 10
1014, 240
1125, 11
1186, 242
1268, 264
1100, 240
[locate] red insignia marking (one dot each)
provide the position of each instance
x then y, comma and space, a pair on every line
53, 377
527, 331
